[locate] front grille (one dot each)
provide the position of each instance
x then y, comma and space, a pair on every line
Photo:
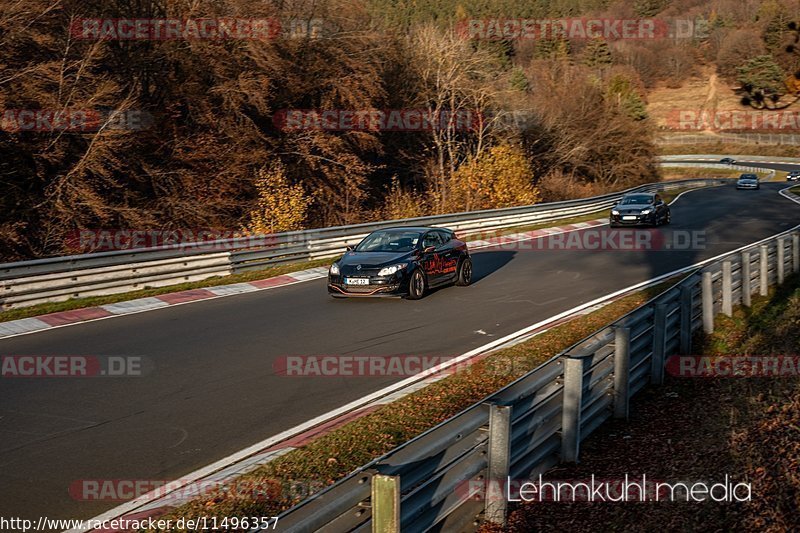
360, 289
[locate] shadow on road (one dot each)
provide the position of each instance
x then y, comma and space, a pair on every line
484, 264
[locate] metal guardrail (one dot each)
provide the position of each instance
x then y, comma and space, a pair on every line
729, 138
61, 278
738, 167
716, 158
539, 420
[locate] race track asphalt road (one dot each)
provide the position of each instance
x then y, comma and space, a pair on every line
212, 389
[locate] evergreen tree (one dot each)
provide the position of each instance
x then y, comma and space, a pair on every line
621, 91
556, 48
597, 53
518, 80
776, 30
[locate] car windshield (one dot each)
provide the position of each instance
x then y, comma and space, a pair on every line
389, 241
637, 199
748, 177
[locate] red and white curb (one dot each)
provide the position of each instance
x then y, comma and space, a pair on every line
66, 318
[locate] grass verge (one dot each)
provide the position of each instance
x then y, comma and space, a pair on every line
700, 430
336, 454
671, 173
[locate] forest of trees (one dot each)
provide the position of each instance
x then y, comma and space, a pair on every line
554, 119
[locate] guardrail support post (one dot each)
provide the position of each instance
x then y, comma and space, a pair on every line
727, 288
622, 363
385, 504
659, 344
781, 257
746, 279
763, 265
686, 319
571, 409
795, 253
708, 303
499, 462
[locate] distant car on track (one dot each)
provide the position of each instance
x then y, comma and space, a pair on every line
748, 181
640, 209
794, 175
727, 161
401, 262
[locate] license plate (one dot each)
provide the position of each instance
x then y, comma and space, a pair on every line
629, 217
356, 281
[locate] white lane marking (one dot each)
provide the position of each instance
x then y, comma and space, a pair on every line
135, 306
236, 288
313, 273
22, 326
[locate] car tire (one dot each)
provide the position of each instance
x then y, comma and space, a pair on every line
416, 285
464, 277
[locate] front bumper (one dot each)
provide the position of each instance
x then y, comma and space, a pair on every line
378, 286
640, 220
747, 185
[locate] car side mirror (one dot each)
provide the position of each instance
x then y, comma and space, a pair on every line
349, 247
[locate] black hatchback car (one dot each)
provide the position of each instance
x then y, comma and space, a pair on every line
640, 209
401, 262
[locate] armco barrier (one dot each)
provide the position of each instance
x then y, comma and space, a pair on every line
56, 279
541, 418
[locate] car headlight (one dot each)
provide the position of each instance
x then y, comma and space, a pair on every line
388, 271
614, 212
335, 269
647, 211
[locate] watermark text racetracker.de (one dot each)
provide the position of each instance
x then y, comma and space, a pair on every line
207, 239
733, 366
74, 120
612, 29
74, 366
411, 120
175, 492
600, 239
214, 29
734, 120
406, 365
